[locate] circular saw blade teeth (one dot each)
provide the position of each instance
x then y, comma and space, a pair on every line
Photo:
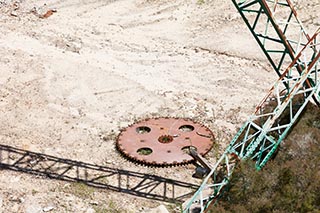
154, 149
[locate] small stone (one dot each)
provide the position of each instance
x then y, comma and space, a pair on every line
32, 208
90, 210
109, 162
74, 112
14, 13
141, 208
21, 199
316, 21
74, 46
95, 203
48, 208
159, 209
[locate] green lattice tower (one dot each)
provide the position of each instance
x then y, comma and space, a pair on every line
294, 55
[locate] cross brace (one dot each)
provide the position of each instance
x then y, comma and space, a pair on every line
261, 135
295, 56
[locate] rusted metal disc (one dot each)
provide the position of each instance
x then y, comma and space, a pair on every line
164, 141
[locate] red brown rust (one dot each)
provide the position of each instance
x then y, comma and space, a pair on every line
164, 141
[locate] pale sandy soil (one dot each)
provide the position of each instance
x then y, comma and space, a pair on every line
70, 82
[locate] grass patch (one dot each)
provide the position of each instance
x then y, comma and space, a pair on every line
289, 183
80, 190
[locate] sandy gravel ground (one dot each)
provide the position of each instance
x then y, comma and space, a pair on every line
71, 81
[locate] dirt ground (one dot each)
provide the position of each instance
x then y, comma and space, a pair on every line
71, 81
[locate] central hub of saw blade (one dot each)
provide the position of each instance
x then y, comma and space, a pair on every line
164, 141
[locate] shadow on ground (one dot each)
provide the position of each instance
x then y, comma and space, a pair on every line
134, 183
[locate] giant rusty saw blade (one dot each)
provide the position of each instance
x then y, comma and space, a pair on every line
164, 141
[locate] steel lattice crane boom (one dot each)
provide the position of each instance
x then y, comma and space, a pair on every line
295, 57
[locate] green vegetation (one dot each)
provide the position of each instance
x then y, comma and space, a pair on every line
99, 209
200, 1
110, 206
80, 190
144, 151
33, 192
289, 183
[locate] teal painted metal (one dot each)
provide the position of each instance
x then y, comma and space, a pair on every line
277, 29
278, 35
261, 135
298, 83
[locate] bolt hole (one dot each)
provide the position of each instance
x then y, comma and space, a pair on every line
144, 151
186, 128
143, 130
165, 139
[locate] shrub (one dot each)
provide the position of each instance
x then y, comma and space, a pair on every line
289, 183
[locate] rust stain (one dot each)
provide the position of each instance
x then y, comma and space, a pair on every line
48, 13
